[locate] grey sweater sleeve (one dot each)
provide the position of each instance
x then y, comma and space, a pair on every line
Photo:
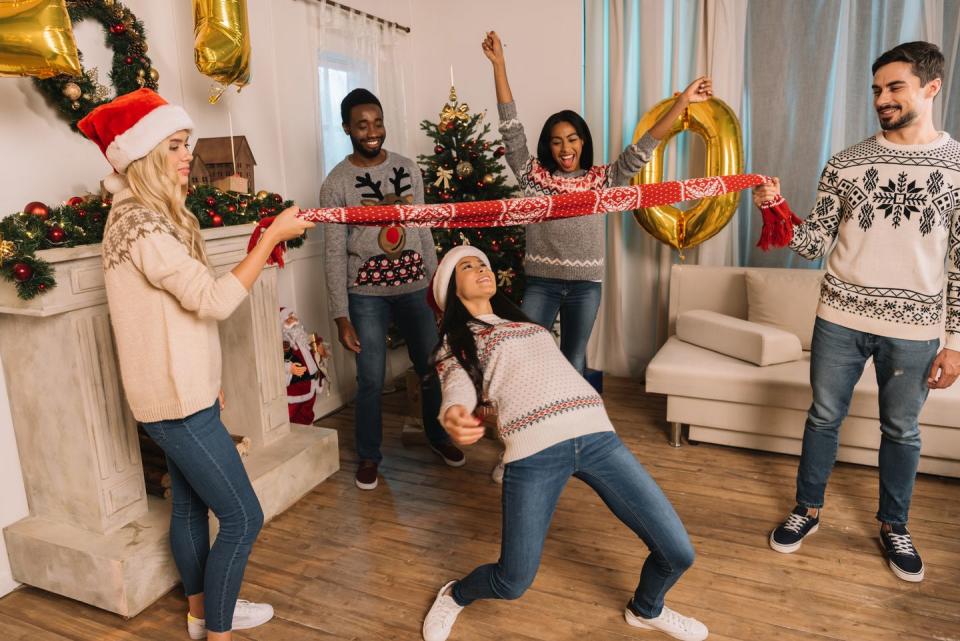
335, 255
631, 161
514, 138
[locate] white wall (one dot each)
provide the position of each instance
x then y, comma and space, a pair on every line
43, 160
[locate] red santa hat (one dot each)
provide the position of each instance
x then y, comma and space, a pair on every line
130, 126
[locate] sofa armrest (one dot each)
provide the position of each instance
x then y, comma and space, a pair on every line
751, 342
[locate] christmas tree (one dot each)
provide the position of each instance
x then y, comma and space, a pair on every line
465, 167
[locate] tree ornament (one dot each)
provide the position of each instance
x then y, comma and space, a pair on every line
72, 91
505, 277
37, 209
438, 149
22, 272
56, 235
495, 245
216, 220
464, 169
262, 194
443, 177
499, 151
81, 214
75, 201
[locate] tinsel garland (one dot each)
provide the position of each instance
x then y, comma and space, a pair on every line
81, 221
75, 97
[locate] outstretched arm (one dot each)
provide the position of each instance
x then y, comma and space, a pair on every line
493, 50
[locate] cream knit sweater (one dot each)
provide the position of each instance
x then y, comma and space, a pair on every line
541, 400
164, 307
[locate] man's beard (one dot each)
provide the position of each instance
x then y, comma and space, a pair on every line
899, 123
363, 150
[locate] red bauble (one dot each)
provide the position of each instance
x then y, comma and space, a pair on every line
211, 201
81, 213
216, 220
118, 28
76, 200
42, 287
56, 235
444, 196
500, 151
277, 198
494, 245
97, 218
438, 149
37, 209
479, 184
128, 60
22, 272
231, 208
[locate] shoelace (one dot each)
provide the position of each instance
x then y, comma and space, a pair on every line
676, 620
795, 523
902, 544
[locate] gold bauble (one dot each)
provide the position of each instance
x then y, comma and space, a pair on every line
72, 91
715, 122
464, 168
154, 74
262, 194
488, 179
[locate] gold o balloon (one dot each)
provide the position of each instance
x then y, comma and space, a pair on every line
36, 39
715, 122
222, 42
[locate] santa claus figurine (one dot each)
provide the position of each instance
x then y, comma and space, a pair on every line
305, 367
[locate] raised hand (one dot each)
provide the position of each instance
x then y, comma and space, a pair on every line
493, 48
699, 90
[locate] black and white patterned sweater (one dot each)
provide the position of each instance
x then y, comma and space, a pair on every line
890, 216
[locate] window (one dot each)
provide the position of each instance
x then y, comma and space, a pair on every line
339, 75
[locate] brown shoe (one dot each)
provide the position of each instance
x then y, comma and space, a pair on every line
450, 454
367, 475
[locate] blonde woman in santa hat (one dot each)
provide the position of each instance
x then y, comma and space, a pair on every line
553, 426
165, 302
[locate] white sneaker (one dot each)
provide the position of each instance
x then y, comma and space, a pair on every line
442, 615
671, 623
196, 628
246, 615
497, 473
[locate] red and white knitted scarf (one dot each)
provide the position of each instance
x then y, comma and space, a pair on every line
522, 211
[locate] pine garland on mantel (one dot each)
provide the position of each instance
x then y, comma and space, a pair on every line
80, 221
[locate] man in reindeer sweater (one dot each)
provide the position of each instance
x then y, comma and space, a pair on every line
378, 273
888, 208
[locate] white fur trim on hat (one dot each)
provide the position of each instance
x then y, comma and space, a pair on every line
148, 132
441, 280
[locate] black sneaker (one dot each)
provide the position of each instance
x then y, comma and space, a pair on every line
789, 536
903, 558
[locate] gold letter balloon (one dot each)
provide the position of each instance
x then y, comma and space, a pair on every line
222, 42
715, 122
36, 39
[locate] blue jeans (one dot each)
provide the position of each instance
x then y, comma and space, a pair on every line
838, 356
206, 474
370, 316
576, 301
531, 488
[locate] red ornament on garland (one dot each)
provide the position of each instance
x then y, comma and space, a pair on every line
128, 60
38, 209
22, 272
216, 220
56, 235
81, 213
277, 198
231, 208
97, 218
76, 200
211, 201
118, 28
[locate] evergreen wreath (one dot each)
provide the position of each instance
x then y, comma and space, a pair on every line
75, 97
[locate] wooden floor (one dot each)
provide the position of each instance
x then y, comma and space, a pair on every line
346, 564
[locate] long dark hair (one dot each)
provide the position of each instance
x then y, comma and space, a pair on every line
579, 124
457, 339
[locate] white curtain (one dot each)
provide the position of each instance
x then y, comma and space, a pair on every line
368, 54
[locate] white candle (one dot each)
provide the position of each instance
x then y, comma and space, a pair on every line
451, 76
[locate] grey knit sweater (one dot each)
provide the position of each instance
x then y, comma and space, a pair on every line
570, 249
375, 261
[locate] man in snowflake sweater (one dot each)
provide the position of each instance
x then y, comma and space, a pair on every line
378, 273
887, 211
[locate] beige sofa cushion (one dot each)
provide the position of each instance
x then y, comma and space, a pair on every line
751, 342
786, 300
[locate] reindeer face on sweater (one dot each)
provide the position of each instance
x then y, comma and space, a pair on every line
396, 266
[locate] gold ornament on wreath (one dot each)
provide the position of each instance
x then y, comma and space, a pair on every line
464, 168
77, 93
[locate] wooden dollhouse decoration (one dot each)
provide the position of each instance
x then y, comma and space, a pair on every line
226, 167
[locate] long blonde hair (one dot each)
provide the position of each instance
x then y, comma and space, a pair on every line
151, 184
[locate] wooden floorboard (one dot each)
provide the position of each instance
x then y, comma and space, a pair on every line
346, 564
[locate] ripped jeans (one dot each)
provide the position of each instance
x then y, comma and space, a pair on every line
837, 359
